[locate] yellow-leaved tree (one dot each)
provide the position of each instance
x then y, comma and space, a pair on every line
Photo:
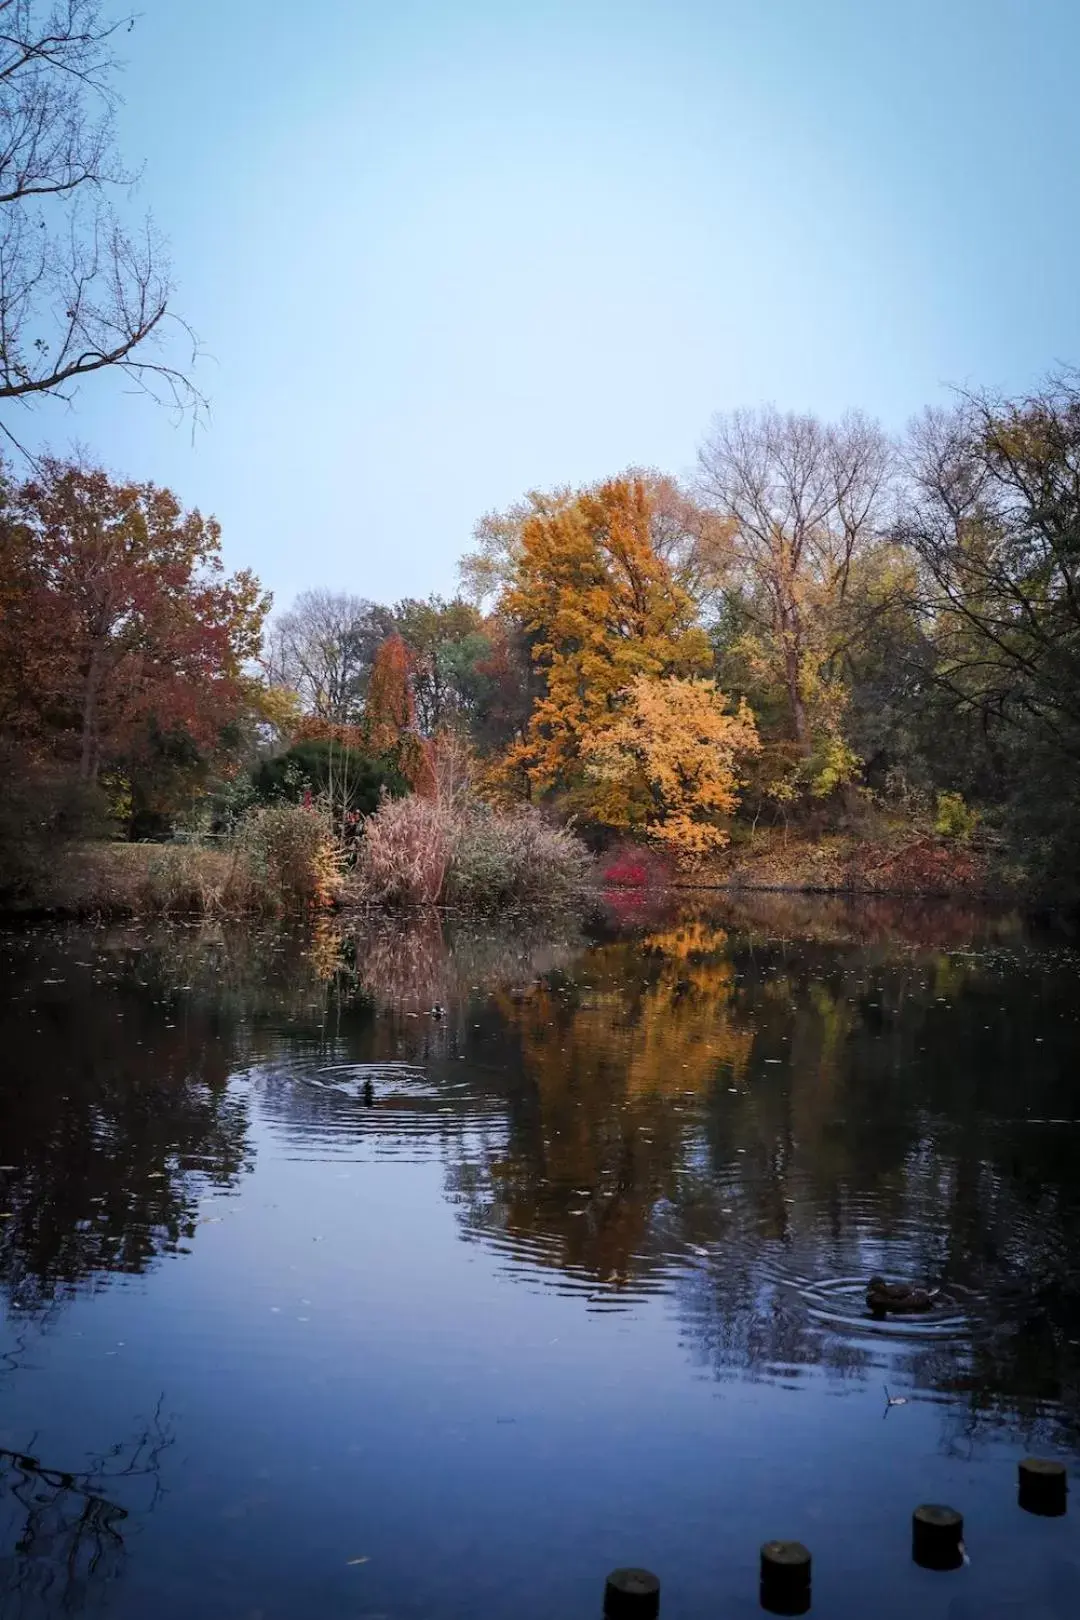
667, 762
601, 606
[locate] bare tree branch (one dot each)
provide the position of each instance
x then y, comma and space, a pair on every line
79, 291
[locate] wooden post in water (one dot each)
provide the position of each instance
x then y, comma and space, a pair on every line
937, 1537
785, 1577
633, 1593
1044, 1487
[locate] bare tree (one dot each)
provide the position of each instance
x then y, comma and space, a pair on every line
992, 511
805, 498
324, 649
79, 292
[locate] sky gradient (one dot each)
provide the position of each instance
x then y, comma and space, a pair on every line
441, 251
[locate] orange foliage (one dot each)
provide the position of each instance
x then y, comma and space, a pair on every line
666, 761
389, 724
602, 607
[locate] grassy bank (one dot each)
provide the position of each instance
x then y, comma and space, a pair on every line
888, 860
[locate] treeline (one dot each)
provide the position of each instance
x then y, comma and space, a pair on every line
826, 625
824, 629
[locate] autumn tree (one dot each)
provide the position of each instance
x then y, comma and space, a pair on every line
389, 726
666, 762
80, 292
133, 646
600, 607
693, 541
805, 500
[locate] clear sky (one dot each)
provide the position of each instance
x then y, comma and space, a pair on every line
442, 251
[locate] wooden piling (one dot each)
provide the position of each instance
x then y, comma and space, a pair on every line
785, 1577
633, 1593
937, 1537
1043, 1487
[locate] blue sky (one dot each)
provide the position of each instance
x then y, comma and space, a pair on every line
442, 251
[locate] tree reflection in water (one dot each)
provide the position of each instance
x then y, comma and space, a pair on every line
62, 1533
114, 1114
746, 1108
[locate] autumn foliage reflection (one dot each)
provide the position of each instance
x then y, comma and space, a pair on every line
616, 1062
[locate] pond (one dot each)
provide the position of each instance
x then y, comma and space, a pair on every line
406, 1269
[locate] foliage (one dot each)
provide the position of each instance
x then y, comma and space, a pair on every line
993, 516
350, 779
665, 762
426, 850
806, 502
389, 728
405, 853
447, 644
288, 856
124, 645
514, 856
953, 818
601, 607
323, 651
635, 866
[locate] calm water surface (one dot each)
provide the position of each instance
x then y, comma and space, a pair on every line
317, 1305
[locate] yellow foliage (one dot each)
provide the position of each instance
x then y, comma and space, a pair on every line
666, 761
603, 608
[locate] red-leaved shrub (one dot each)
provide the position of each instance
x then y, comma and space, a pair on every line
635, 866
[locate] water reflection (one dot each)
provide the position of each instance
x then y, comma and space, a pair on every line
63, 1532
740, 1112
114, 1114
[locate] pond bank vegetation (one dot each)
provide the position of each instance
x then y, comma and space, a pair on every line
832, 661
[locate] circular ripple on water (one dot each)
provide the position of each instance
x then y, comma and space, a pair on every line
839, 1305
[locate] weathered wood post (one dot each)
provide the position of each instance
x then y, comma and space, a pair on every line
633, 1593
785, 1577
1044, 1487
937, 1537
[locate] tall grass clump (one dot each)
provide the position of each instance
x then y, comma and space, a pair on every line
515, 855
406, 852
419, 851
279, 858
288, 857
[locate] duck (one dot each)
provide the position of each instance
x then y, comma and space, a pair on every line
900, 1298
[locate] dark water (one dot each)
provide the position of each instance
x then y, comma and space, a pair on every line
316, 1305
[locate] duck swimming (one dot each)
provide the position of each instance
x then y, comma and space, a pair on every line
900, 1298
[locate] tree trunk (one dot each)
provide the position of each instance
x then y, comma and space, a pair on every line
88, 759
795, 698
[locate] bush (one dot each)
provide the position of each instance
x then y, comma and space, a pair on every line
953, 819
182, 878
281, 857
348, 777
635, 866
514, 855
287, 857
421, 851
405, 853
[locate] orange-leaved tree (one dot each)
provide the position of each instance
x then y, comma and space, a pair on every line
666, 762
389, 724
601, 607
